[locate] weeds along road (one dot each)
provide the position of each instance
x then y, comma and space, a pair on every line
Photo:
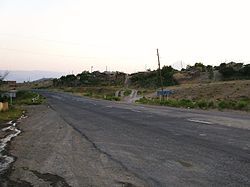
163, 146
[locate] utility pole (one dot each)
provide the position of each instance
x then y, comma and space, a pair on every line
159, 64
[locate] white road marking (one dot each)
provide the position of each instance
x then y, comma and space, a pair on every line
109, 106
202, 134
199, 121
135, 110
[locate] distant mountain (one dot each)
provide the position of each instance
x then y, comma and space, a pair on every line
21, 76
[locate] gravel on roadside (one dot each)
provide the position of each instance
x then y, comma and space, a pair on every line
49, 152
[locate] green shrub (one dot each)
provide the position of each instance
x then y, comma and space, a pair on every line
28, 98
172, 102
227, 104
211, 104
88, 94
186, 103
4, 99
202, 104
242, 105
224, 104
112, 98
127, 92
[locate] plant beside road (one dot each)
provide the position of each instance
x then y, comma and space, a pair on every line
16, 109
28, 98
127, 92
242, 104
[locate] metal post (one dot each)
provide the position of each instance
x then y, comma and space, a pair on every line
10, 100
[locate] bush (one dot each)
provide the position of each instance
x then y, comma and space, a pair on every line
241, 105
225, 104
4, 99
222, 105
202, 104
112, 98
88, 94
186, 103
172, 102
127, 92
211, 104
142, 100
28, 98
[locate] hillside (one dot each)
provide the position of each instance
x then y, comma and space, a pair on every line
231, 90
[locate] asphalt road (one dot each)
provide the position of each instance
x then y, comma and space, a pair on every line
160, 145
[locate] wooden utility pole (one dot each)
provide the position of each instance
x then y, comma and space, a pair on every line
159, 64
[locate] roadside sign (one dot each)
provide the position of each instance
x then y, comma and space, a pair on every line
12, 93
164, 92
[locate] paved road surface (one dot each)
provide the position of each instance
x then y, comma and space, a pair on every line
163, 146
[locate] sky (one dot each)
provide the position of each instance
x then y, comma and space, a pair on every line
73, 35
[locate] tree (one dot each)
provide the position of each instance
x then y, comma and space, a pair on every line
3, 76
245, 71
150, 79
199, 66
227, 72
210, 71
167, 74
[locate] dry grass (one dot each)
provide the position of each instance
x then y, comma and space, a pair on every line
230, 90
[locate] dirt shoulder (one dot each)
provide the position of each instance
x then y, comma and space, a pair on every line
49, 152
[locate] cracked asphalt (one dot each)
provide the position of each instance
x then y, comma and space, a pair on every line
89, 142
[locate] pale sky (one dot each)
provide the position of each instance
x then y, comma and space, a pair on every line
73, 35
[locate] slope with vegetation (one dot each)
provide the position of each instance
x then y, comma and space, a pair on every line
197, 86
151, 79
222, 95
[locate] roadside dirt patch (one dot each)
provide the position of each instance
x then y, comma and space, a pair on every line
49, 152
